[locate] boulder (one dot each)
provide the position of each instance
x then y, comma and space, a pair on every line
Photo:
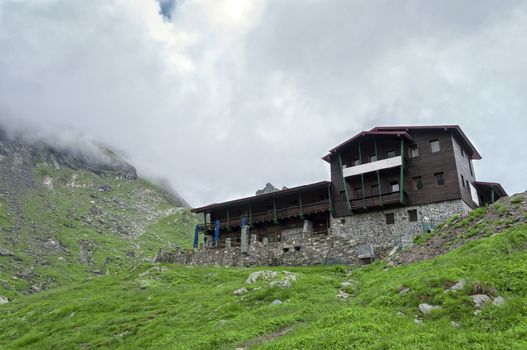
427, 308
264, 274
343, 295
3, 300
457, 286
5, 252
240, 291
480, 300
276, 302
498, 301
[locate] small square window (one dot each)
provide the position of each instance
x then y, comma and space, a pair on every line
390, 153
395, 186
470, 167
468, 184
390, 219
463, 181
462, 153
286, 250
413, 151
342, 221
434, 146
412, 215
440, 178
418, 183
373, 157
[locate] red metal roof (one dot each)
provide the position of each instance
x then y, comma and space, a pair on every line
401, 131
264, 196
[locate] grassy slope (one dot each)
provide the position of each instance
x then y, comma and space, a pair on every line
177, 307
108, 222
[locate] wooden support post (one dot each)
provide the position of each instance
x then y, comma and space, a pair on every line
362, 180
380, 188
401, 182
205, 221
348, 204
492, 194
300, 203
330, 200
228, 218
250, 215
274, 212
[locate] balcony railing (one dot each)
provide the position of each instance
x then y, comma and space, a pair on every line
373, 166
281, 213
374, 201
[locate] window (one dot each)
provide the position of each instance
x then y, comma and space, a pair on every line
463, 181
462, 153
434, 146
343, 196
373, 157
413, 151
390, 219
470, 167
418, 183
390, 153
358, 192
375, 189
440, 178
355, 162
468, 184
412, 215
395, 186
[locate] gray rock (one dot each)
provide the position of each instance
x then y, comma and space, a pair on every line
276, 302
264, 274
457, 286
427, 308
5, 284
343, 295
5, 252
35, 289
454, 324
240, 291
498, 301
404, 290
418, 321
3, 300
346, 284
480, 300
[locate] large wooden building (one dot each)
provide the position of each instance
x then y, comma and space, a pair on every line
383, 181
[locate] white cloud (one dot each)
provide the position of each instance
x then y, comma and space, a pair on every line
230, 94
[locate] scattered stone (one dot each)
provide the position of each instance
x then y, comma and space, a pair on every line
400, 314
34, 289
427, 308
264, 274
498, 301
477, 312
240, 291
404, 290
143, 284
212, 274
105, 188
222, 322
3, 300
60, 258
276, 302
454, 324
457, 286
5, 284
393, 251
418, 321
480, 300
5, 252
346, 284
343, 295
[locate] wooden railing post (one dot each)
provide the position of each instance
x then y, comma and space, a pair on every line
274, 212
379, 188
401, 182
300, 203
330, 200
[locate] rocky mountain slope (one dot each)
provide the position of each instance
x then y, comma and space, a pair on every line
67, 214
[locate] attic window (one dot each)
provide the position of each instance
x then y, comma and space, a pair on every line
434, 146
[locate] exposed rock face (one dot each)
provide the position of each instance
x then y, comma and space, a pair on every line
480, 300
427, 308
3, 300
265, 275
240, 291
269, 188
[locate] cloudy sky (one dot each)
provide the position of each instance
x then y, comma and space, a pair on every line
222, 96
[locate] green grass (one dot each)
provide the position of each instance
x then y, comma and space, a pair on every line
179, 307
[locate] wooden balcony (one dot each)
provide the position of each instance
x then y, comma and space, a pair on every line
374, 201
281, 213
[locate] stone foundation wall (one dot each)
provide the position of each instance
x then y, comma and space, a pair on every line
371, 227
314, 250
300, 246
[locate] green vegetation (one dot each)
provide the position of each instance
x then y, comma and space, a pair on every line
178, 307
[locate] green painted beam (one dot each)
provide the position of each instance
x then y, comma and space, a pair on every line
274, 212
300, 203
362, 180
250, 215
401, 182
380, 188
348, 204
330, 200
